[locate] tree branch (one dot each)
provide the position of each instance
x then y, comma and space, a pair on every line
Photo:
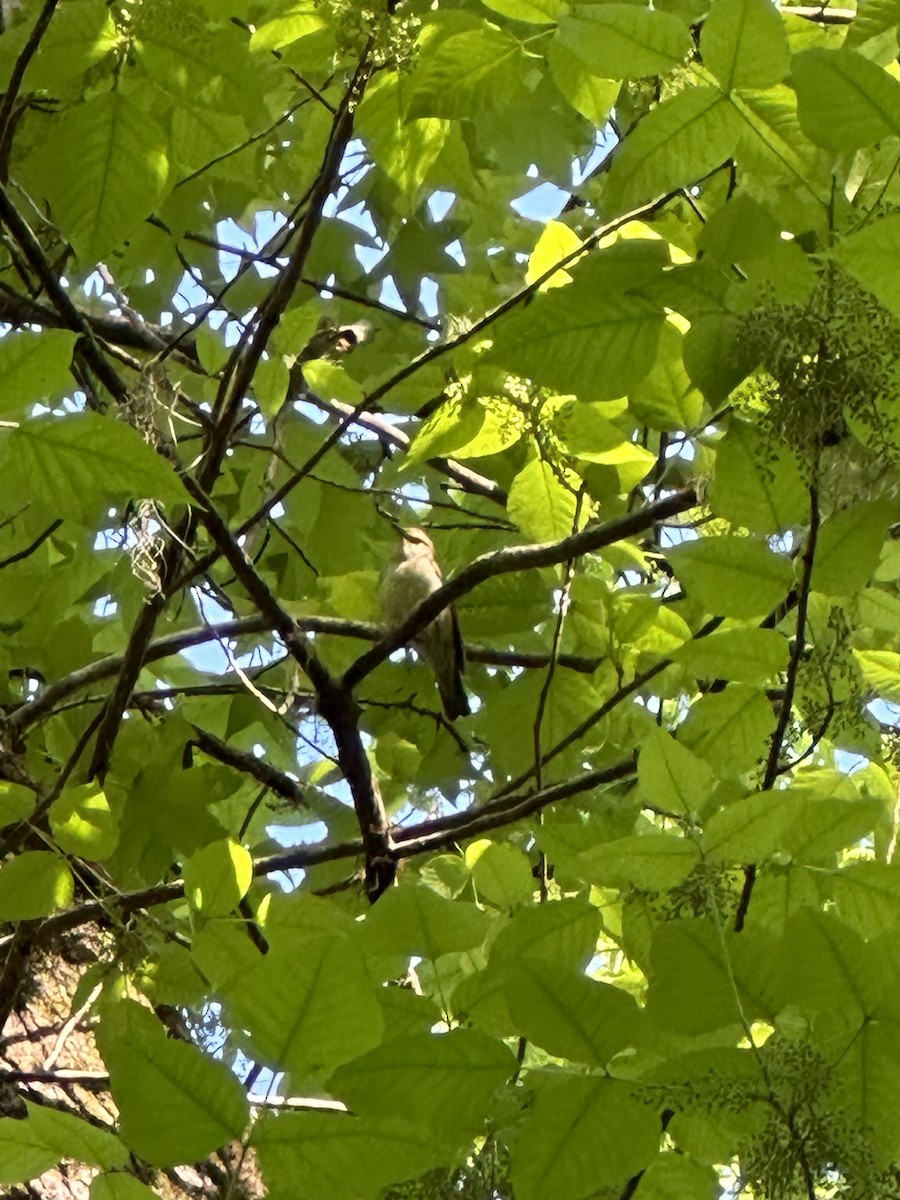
470, 481
62, 302
49, 698
16, 76
422, 838
242, 760
787, 703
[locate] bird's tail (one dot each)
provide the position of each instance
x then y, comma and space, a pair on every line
453, 695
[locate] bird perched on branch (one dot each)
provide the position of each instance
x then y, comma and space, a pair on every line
411, 578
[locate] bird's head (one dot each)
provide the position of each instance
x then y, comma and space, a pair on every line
415, 543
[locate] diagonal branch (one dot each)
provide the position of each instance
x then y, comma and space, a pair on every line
335, 703
11, 91
469, 480
276, 781
238, 372
60, 298
236, 379
423, 838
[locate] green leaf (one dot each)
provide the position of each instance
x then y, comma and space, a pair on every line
453, 1077
590, 436
536, 12
774, 147
79, 465
873, 18
867, 1080
729, 729
34, 366
692, 984
567, 1014
335, 1156
732, 576
744, 44
217, 877
654, 862
17, 803
270, 384
308, 1005
757, 483
501, 427
415, 920
804, 827
588, 95
469, 73
78, 36
867, 896
175, 1104
455, 423
879, 609
557, 241
848, 548
103, 167
582, 338
670, 776
563, 933
201, 63
330, 379
83, 823
501, 873
622, 41
867, 255
299, 21
736, 655
30, 1146
33, 884
667, 399
539, 503
119, 1187
582, 1134
881, 670
405, 150
845, 101
680, 140
676, 1177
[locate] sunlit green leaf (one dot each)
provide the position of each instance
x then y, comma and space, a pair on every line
744, 44
83, 822
28, 1147
119, 156
732, 576
845, 100
175, 1103
34, 884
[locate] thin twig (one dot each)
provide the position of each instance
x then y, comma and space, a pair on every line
35, 545
784, 716
17, 74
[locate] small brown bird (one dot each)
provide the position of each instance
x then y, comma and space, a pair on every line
411, 578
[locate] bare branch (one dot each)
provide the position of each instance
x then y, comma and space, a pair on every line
250, 764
